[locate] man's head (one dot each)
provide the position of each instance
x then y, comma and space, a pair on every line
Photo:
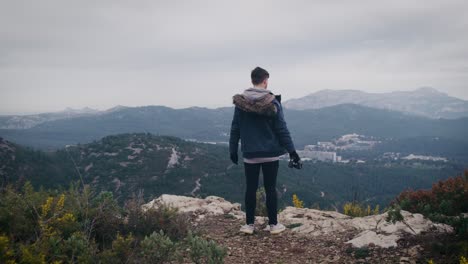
260, 77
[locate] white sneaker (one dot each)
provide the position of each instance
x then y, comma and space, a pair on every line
276, 229
248, 229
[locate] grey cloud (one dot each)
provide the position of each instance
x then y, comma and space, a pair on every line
62, 47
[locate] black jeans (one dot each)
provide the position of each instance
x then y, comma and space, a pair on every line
252, 172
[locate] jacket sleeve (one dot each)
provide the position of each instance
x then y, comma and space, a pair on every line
234, 136
281, 129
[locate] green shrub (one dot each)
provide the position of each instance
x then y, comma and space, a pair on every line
121, 252
361, 252
107, 217
163, 217
394, 214
158, 248
79, 226
203, 251
6, 252
77, 249
18, 212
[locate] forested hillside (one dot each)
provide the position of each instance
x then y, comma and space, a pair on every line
127, 164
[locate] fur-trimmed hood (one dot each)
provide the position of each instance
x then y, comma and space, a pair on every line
256, 100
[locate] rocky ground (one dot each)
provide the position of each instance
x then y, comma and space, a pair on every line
293, 247
315, 236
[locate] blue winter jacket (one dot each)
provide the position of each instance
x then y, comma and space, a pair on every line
260, 135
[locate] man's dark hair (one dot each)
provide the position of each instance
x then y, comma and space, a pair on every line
258, 75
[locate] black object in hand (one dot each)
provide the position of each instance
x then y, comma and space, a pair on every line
297, 165
295, 161
234, 158
293, 155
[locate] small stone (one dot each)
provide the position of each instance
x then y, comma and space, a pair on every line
404, 260
336, 258
414, 251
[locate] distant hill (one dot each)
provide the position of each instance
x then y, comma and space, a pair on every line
426, 102
128, 163
19, 163
195, 122
28, 121
123, 164
330, 122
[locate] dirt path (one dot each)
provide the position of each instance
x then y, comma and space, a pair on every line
290, 247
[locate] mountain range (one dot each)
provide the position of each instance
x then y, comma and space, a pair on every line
28, 121
425, 101
398, 131
203, 124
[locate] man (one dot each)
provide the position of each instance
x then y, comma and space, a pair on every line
259, 124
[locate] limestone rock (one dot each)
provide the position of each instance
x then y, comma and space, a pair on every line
367, 237
313, 222
372, 230
211, 205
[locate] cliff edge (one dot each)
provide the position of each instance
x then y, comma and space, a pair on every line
313, 236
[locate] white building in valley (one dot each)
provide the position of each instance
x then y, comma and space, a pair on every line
318, 155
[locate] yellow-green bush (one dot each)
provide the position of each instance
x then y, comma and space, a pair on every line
356, 209
6, 252
79, 226
463, 260
296, 202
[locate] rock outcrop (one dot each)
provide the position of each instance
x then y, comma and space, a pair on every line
372, 229
199, 208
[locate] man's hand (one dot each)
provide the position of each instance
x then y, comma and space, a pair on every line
295, 161
293, 155
234, 157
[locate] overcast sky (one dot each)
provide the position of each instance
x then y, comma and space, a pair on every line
57, 54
